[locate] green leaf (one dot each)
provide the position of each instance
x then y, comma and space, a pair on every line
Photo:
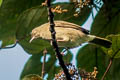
13, 8
34, 64
34, 17
30, 19
91, 56
32, 77
0, 2
9, 12
107, 20
68, 57
114, 50
7, 31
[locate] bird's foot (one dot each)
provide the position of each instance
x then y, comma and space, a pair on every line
63, 52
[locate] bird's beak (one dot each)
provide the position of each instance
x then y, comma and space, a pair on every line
31, 39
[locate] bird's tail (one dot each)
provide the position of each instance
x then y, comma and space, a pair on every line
102, 41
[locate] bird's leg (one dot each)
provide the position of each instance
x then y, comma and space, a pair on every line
62, 40
57, 41
66, 49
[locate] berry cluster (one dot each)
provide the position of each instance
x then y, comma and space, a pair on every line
72, 71
88, 75
83, 3
59, 10
79, 5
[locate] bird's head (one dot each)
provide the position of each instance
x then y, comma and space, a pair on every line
34, 35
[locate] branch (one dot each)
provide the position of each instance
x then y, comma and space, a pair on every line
54, 43
43, 65
109, 65
96, 58
108, 68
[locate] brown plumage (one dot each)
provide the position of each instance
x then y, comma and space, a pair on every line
67, 35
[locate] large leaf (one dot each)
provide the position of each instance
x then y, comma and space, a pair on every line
114, 50
91, 56
9, 11
34, 65
107, 20
12, 8
34, 17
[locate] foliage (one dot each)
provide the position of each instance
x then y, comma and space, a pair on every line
17, 19
95, 58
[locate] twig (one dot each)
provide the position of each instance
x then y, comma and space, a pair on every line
96, 57
54, 43
109, 65
16, 42
43, 65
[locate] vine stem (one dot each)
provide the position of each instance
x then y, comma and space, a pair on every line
54, 43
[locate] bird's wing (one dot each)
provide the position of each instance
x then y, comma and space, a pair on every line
70, 25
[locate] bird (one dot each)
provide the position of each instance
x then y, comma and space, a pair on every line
68, 35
